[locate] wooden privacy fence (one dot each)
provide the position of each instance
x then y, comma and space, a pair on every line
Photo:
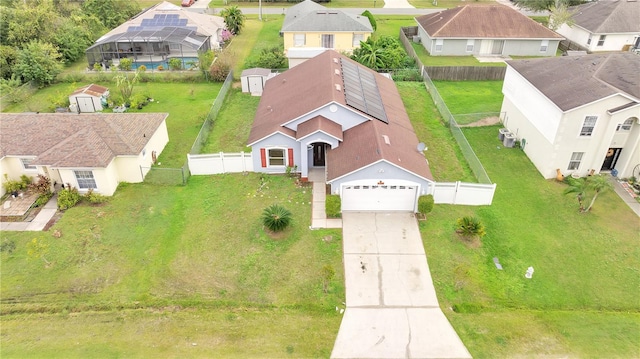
466, 73
462, 193
216, 163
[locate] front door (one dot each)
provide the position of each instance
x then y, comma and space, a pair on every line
611, 159
318, 154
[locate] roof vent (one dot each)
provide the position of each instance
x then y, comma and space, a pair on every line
337, 72
335, 60
386, 139
338, 87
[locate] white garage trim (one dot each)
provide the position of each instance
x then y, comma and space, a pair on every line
389, 196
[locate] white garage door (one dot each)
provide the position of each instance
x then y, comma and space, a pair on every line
379, 198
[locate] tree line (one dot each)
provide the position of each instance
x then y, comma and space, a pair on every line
37, 37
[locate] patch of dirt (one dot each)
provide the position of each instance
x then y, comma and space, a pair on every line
236, 85
487, 121
53, 221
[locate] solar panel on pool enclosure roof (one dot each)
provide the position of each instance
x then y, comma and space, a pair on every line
361, 91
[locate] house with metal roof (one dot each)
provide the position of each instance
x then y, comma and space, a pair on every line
605, 25
309, 28
88, 151
334, 115
577, 115
154, 36
485, 30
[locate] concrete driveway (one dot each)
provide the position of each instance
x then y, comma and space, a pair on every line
392, 309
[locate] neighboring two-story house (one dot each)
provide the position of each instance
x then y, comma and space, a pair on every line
576, 114
310, 28
605, 25
485, 30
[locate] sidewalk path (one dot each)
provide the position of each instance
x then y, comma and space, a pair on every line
392, 309
38, 223
626, 194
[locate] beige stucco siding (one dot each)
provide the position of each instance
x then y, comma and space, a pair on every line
105, 178
12, 167
342, 41
128, 167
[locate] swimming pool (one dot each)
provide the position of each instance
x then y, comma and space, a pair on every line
187, 62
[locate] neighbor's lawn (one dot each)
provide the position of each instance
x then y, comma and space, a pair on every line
285, 4
390, 24
582, 300
429, 60
186, 103
466, 97
165, 271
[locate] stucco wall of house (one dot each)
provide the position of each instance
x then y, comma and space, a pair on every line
381, 171
425, 39
612, 42
105, 178
342, 41
128, 167
551, 148
531, 104
275, 141
530, 48
12, 167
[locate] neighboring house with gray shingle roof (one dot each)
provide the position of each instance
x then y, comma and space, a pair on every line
605, 25
310, 28
312, 116
576, 114
88, 151
485, 30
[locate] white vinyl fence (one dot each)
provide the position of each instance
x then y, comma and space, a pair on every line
215, 163
472, 194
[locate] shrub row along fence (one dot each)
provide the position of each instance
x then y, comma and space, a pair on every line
216, 163
17, 94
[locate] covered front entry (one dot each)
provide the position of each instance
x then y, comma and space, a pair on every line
379, 198
611, 159
319, 152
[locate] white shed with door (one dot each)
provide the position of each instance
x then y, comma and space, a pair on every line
90, 98
253, 80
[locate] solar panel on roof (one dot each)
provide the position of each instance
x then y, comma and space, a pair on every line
361, 91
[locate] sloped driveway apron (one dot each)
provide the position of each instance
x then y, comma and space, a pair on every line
392, 309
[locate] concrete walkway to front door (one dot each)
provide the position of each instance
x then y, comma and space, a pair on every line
392, 308
318, 213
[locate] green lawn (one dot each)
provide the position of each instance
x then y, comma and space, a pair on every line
390, 24
231, 128
162, 257
582, 300
429, 60
466, 97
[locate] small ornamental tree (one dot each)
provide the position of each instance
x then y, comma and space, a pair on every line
175, 64
276, 218
39, 62
125, 64
470, 227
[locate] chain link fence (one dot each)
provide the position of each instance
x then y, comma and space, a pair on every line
211, 116
465, 147
166, 176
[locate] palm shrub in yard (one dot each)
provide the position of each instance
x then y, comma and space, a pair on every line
470, 227
276, 218
68, 197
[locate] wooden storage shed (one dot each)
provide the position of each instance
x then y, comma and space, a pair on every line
90, 98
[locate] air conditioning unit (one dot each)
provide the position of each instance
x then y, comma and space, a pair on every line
416, 39
509, 140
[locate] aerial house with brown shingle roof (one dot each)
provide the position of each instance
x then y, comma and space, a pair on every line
579, 115
485, 30
88, 151
334, 114
605, 25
